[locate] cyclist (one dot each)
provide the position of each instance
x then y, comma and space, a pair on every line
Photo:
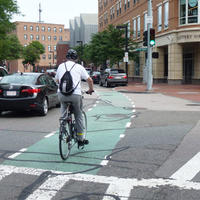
78, 73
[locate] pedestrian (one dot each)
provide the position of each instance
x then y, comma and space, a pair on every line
78, 73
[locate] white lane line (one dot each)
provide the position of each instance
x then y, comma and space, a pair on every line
134, 110
133, 116
104, 162
50, 134
120, 185
122, 192
18, 153
97, 101
49, 188
128, 124
122, 136
89, 109
189, 170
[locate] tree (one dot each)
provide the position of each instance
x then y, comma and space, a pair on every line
7, 9
107, 45
32, 52
10, 48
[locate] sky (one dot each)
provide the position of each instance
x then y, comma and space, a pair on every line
54, 11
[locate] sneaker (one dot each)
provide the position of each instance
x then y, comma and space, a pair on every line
82, 143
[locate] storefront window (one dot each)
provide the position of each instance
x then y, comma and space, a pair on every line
188, 11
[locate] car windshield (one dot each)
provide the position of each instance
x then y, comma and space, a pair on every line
18, 79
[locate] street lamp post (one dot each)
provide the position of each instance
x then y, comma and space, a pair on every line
126, 44
81, 44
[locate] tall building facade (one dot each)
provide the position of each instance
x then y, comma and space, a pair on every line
48, 35
82, 28
177, 28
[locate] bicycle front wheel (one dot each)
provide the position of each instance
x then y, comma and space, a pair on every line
64, 141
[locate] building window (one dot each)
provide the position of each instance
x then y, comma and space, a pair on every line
43, 56
55, 38
31, 37
43, 28
49, 47
49, 56
60, 30
25, 27
60, 38
159, 17
49, 29
145, 21
55, 48
134, 28
117, 9
49, 38
43, 37
37, 28
128, 4
188, 11
31, 28
166, 15
120, 6
125, 5
54, 29
37, 37
128, 29
138, 26
25, 37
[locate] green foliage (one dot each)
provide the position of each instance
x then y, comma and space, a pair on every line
7, 9
106, 45
10, 48
32, 52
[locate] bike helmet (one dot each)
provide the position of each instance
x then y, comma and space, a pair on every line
72, 54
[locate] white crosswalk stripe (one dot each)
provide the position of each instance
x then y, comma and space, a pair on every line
120, 187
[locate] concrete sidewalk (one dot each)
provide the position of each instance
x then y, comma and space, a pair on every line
189, 92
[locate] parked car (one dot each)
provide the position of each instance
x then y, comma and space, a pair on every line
89, 70
95, 75
3, 72
28, 91
113, 77
51, 72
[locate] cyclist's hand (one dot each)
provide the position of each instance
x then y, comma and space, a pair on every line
89, 91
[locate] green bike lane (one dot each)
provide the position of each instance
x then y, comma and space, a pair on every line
106, 122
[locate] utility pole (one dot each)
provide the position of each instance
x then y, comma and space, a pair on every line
149, 48
40, 11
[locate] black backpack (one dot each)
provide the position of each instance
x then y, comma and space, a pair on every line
66, 83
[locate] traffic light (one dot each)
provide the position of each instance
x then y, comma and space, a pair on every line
152, 37
145, 38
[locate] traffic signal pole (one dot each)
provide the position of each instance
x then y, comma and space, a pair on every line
149, 49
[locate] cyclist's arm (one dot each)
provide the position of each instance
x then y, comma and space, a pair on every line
90, 85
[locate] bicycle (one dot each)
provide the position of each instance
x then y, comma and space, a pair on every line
68, 132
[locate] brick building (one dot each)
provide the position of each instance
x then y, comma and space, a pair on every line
177, 27
48, 35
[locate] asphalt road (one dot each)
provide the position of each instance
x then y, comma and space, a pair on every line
142, 146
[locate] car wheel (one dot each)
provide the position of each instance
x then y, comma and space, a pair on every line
100, 83
45, 107
107, 84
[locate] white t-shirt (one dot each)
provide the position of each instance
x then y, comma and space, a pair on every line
78, 73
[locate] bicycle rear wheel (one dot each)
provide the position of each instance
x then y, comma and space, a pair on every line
65, 140
84, 123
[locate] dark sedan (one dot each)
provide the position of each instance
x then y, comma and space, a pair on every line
28, 91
